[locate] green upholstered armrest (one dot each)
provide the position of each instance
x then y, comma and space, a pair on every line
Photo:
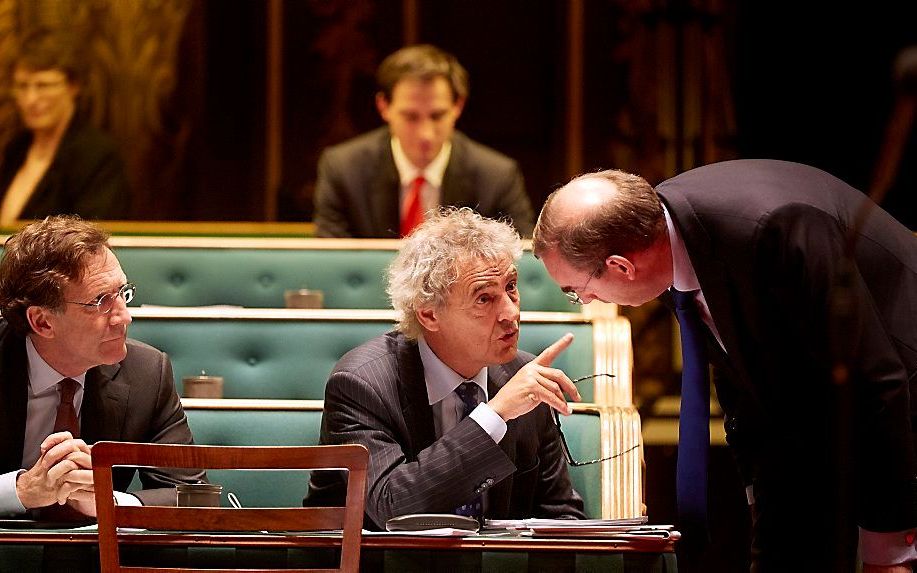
260, 354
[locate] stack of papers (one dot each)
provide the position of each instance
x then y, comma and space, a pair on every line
630, 528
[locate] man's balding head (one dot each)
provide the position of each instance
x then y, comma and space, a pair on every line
599, 214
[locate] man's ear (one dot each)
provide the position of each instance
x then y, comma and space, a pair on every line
621, 265
459, 106
427, 318
382, 105
40, 320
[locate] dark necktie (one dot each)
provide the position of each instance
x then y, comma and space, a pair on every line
468, 392
67, 420
413, 207
694, 419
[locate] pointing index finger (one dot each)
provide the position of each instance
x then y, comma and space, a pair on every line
549, 354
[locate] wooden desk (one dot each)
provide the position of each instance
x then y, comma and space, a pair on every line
36, 550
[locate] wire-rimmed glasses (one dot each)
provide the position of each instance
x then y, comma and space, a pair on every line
104, 303
563, 440
573, 296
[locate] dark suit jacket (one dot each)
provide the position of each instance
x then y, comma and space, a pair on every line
376, 396
767, 240
132, 401
86, 178
356, 194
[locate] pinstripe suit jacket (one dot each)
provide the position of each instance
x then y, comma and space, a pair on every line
376, 396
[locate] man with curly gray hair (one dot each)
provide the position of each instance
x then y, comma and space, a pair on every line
456, 419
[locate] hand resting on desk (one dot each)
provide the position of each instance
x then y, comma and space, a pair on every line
59, 476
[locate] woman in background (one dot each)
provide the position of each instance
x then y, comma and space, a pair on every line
58, 163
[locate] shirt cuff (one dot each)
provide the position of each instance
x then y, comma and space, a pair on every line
490, 421
9, 499
126, 499
887, 548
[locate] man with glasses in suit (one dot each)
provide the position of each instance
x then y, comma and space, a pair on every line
802, 294
69, 376
455, 417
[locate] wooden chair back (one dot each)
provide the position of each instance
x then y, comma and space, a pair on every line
348, 518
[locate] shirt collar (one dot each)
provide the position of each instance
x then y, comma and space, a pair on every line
433, 173
685, 279
41, 375
442, 380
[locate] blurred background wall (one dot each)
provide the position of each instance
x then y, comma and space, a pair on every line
222, 106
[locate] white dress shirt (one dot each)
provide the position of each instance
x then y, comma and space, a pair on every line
447, 405
432, 174
685, 277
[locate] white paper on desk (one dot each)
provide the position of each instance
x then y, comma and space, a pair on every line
439, 532
533, 523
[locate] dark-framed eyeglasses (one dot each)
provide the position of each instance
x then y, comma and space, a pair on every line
104, 303
563, 439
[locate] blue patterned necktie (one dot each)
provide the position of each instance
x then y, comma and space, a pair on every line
468, 392
694, 419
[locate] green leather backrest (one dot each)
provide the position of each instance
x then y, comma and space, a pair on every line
301, 427
291, 359
257, 278
258, 488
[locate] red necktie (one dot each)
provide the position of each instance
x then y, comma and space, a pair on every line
413, 212
67, 420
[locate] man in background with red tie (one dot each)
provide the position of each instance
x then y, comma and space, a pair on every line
455, 417
380, 184
803, 295
69, 376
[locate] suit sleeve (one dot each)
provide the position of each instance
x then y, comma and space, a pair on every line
440, 478
830, 315
168, 425
331, 219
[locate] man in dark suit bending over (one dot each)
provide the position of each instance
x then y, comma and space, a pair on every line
380, 184
69, 376
807, 310
456, 419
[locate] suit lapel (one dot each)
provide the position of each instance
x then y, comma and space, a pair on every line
14, 395
711, 272
383, 191
500, 495
415, 405
104, 404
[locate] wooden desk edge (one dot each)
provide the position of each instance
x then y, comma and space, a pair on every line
479, 543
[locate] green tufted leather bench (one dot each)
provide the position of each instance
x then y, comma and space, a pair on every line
254, 273
289, 423
288, 354
275, 363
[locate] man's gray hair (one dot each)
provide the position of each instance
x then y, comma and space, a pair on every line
432, 256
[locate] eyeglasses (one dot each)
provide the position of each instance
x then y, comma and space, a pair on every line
574, 297
106, 302
41, 87
563, 440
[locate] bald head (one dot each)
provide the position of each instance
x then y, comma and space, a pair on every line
599, 214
